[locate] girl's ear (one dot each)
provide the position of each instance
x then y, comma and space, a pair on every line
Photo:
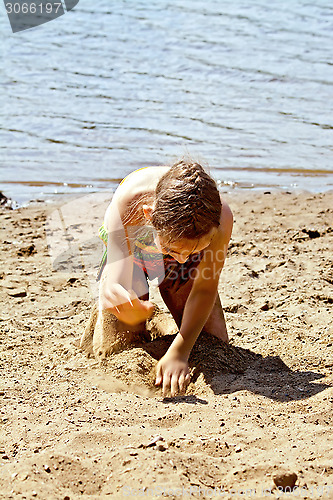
147, 212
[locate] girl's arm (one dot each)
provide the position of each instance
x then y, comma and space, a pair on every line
172, 369
115, 291
119, 264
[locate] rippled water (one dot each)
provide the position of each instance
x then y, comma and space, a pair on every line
114, 86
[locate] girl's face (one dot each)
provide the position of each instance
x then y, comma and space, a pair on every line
182, 249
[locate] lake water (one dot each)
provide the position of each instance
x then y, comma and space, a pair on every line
247, 86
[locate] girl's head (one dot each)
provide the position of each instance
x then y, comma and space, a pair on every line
187, 204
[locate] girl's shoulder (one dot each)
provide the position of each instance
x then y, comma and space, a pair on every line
138, 185
224, 231
142, 179
226, 214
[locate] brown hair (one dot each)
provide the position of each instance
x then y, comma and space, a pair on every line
187, 202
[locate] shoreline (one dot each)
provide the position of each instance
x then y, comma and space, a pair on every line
224, 189
262, 407
248, 180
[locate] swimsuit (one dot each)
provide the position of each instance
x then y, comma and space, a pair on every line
151, 261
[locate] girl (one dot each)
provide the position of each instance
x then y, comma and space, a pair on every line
170, 224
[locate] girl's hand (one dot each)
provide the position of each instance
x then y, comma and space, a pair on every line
173, 372
126, 305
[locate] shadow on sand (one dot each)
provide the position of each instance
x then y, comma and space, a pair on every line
223, 368
227, 368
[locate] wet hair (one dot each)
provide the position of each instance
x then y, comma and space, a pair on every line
187, 202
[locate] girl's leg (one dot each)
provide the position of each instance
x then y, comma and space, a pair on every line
175, 298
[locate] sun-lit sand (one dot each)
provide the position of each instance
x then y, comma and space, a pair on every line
75, 428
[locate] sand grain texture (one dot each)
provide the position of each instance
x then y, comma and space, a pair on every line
257, 409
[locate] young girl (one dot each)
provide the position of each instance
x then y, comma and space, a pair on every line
170, 224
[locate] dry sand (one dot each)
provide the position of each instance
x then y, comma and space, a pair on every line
71, 428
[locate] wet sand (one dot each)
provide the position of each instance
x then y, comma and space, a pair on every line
72, 428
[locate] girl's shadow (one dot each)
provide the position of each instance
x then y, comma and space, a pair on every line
227, 368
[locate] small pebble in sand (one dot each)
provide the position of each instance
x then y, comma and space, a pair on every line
19, 292
285, 480
154, 440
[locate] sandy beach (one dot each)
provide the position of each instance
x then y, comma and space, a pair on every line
72, 428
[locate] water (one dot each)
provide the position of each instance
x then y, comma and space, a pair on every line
114, 86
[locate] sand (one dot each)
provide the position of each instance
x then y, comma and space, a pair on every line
73, 427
